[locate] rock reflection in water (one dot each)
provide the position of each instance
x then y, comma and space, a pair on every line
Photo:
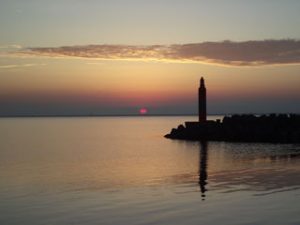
270, 172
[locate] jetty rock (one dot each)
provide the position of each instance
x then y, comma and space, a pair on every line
272, 128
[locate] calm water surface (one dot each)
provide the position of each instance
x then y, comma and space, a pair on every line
120, 170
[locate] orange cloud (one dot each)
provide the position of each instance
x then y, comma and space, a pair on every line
249, 53
13, 66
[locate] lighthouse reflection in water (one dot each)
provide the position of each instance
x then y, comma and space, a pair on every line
203, 167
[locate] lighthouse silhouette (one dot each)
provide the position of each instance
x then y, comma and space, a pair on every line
202, 101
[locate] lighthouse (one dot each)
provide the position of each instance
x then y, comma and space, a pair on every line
202, 101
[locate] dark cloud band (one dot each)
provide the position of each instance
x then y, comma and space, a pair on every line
249, 53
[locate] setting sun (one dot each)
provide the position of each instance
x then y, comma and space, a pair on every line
143, 111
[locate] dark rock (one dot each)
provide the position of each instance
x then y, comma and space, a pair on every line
281, 128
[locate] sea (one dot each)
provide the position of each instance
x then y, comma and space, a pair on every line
122, 171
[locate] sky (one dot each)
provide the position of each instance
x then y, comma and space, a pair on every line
115, 57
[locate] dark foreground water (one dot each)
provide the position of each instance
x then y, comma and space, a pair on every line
110, 170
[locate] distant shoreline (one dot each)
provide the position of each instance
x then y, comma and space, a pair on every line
121, 115
133, 115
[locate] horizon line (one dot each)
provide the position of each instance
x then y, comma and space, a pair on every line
138, 115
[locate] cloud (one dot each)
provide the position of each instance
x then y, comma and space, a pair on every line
9, 50
13, 66
10, 46
248, 53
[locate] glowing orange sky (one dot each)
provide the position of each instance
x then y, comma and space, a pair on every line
145, 84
